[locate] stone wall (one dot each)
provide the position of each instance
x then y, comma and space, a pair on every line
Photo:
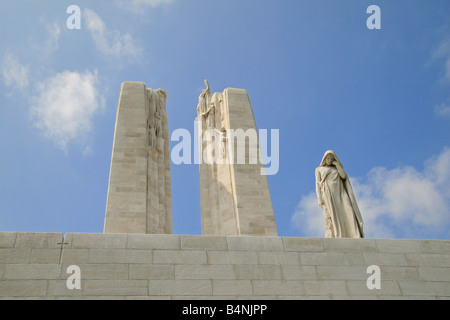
139, 266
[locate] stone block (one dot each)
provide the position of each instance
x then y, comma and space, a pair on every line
399, 273
255, 243
398, 246
325, 287
23, 288
422, 288
179, 257
148, 298
58, 288
180, 287
357, 297
434, 246
204, 243
7, 239
302, 244
75, 256
45, 255
342, 272
152, 271
428, 260
434, 274
388, 288
97, 240
32, 271
15, 255
38, 240
204, 272
119, 256
232, 257
99, 271
115, 287
257, 272
278, 287
385, 259
383, 297
153, 241
252, 297
299, 272
331, 258
279, 258
349, 245
232, 287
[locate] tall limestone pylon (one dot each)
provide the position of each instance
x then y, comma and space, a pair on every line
139, 192
234, 192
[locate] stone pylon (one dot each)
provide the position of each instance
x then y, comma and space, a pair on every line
139, 192
234, 192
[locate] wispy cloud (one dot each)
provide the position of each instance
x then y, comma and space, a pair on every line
65, 106
139, 5
14, 73
443, 109
442, 52
51, 44
401, 202
111, 42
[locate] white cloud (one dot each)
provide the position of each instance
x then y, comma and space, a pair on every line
308, 217
14, 73
402, 202
438, 169
139, 5
52, 42
443, 109
65, 106
111, 43
151, 3
443, 52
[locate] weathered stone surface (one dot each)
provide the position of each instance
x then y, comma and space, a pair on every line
139, 191
235, 196
133, 266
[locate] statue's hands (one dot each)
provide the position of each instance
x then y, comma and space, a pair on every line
335, 163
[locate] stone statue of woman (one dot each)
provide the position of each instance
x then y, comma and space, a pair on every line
335, 195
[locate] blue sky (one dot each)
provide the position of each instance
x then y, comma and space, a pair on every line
379, 98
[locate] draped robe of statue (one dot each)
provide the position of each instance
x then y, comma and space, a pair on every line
335, 195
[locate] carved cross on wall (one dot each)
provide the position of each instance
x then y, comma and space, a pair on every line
62, 247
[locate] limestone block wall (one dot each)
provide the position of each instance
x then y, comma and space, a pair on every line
144, 266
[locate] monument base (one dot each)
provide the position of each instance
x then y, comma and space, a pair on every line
143, 266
